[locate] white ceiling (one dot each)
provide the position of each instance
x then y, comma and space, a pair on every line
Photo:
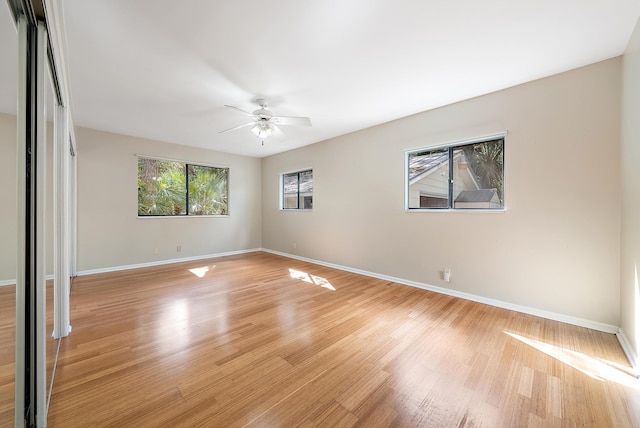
165, 69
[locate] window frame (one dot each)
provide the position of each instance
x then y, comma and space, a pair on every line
282, 192
186, 165
451, 147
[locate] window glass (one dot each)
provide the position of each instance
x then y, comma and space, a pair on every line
171, 188
297, 190
429, 179
290, 191
161, 187
305, 198
464, 176
207, 190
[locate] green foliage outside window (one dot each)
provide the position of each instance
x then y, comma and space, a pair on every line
169, 188
487, 161
207, 190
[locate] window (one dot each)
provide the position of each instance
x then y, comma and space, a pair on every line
297, 190
467, 175
171, 188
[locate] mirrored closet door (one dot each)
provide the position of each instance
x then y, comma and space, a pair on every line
8, 213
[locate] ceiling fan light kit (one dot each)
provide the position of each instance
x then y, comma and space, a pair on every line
264, 122
263, 129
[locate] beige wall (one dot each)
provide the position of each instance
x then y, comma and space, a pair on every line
556, 247
109, 232
630, 173
8, 212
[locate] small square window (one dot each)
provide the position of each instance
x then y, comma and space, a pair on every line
297, 190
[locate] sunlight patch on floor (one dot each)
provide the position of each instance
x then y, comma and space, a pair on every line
173, 332
202, 271
311, 279
595, 368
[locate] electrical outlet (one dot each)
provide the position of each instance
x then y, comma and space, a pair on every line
155, 250
294, 245
178, 248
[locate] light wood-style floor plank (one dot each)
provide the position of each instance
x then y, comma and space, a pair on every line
261, 340
8, 348
7, 353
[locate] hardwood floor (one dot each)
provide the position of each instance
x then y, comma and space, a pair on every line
8, 349
7, 353
262, 340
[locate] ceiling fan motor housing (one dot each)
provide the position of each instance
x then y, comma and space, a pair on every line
263, 113
264, 122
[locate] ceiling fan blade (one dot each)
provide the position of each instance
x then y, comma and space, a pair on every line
290, 120
278, 132
240, 110
237, 127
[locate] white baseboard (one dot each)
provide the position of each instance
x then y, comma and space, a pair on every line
594, 325
13, 281
631, 354
164, 262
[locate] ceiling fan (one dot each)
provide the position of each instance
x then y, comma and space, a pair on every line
263, 123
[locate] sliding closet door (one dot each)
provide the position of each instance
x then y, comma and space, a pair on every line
63, 219
72, 214
8, 216
22, 275
43, 170
53, 281
31, 373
